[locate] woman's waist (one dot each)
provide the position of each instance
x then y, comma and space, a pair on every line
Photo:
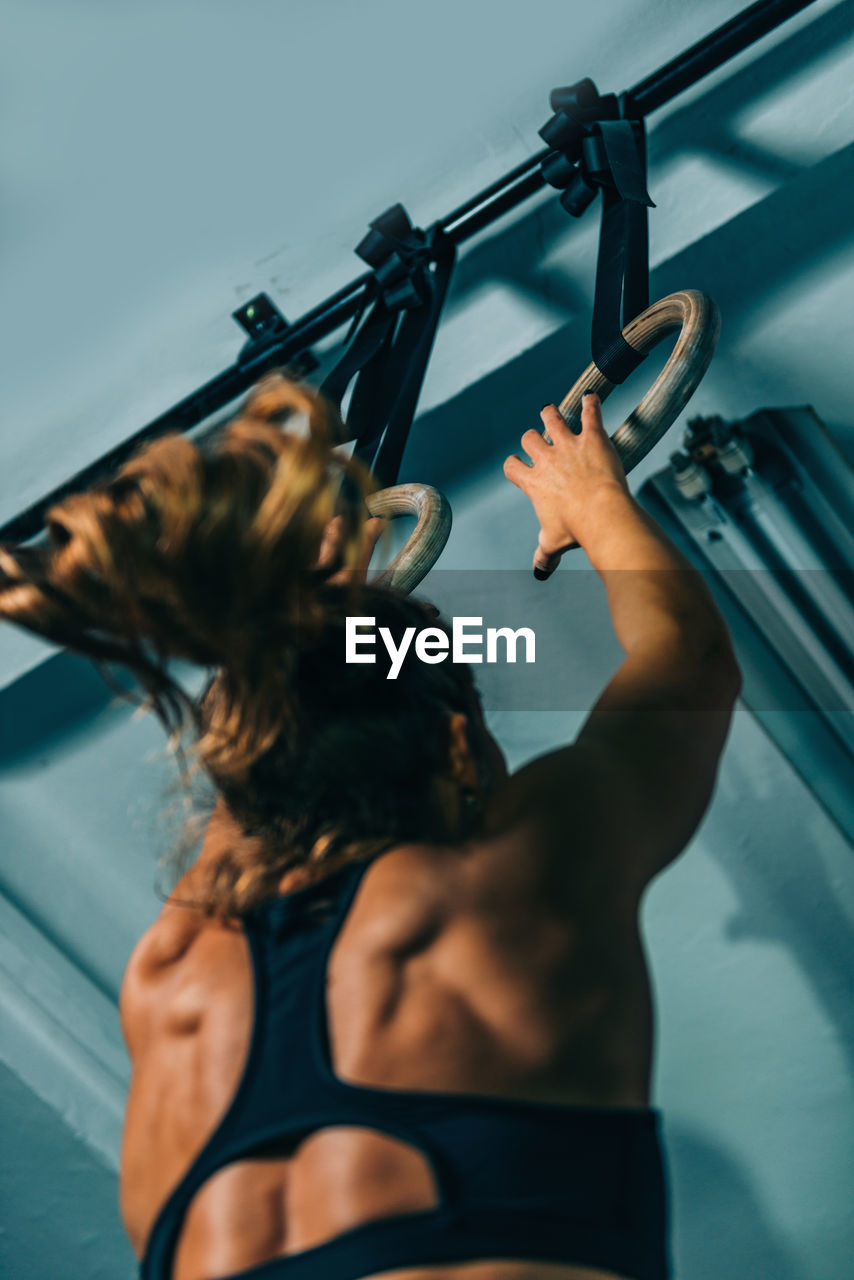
498, 1269
440, 1242
485, 1175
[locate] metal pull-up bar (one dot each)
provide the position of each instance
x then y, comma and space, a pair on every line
283, 344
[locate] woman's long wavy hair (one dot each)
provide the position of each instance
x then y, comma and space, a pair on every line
209, 553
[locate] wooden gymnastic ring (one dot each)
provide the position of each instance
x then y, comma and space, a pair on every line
428, 539
698, 319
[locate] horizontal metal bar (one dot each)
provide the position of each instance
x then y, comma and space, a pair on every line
712, 52
499, 198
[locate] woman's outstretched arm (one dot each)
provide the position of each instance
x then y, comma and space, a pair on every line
631, 789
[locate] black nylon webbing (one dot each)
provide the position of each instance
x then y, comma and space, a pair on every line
389, 351
598, 149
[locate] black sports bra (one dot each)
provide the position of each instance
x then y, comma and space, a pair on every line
581, 1185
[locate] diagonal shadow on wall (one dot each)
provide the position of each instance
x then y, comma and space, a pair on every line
744, 265
705, 125
515, 254
712, 1197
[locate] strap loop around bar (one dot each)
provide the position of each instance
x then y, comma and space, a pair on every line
596, 148
388, 350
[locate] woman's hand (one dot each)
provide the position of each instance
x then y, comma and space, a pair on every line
566, 479
330, 548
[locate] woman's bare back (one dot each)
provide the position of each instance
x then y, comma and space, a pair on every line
438, 980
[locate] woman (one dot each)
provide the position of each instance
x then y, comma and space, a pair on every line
395, 1020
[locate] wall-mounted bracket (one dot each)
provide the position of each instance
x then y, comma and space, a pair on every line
266, 326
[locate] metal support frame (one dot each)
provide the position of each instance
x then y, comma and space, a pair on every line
766, 508
288, 344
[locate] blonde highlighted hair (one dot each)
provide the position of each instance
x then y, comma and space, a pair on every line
210, 554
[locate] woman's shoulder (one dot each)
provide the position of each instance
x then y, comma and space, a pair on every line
181, 941
404, 897
404, 900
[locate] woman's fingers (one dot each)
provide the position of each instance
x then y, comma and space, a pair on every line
545, 564
534, 445
374, 528
517, 471
330, 544
554, 422
549, 481
591, 412
331, 548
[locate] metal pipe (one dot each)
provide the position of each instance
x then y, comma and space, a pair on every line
505, 194
712, 52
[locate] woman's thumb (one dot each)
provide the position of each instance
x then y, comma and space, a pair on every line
545, 563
